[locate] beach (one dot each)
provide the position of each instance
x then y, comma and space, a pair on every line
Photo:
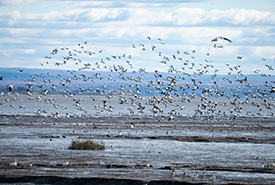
138, 150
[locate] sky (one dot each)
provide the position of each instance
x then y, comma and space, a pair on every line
32, 29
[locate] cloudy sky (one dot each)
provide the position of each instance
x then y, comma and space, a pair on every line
31, 29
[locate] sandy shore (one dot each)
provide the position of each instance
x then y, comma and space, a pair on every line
138, 151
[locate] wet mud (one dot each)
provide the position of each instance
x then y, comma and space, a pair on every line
188, 150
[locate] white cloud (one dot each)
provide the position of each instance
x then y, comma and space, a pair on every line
116, 25
19, 32
128, 3
86, 3
142, 16
242, 16
28, 51
262, 52
9, 40
92, 14
15, 2
6, 52
190, 16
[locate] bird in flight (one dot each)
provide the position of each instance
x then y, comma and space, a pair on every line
217, 39
220, 38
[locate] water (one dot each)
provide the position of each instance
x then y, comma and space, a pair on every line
127, 155
138, 145
127, 105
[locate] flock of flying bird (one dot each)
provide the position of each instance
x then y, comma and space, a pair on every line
150, 91
116, 77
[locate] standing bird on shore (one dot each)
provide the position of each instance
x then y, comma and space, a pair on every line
52, 163
66, 163
13, 163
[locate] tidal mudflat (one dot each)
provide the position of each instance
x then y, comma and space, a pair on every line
137, 150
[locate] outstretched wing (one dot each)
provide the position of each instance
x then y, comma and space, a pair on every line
227, 39
215, 39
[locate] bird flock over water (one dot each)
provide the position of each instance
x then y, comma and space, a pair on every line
119, 79
106, 80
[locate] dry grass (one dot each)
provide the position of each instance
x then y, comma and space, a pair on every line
86, 145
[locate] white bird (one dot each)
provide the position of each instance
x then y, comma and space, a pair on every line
119, 133
212, 178
14, 163
173, 173
29, 164
219, 38
44, 92
52, 163
66, 163
101, 163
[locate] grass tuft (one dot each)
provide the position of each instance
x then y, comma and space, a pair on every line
86, 145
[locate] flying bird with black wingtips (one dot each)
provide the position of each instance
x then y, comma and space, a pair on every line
219, 38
